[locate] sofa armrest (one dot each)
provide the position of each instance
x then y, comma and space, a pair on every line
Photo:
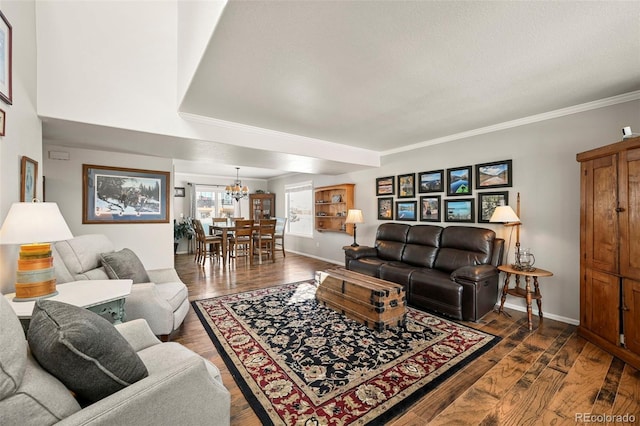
185, 394
145, 302
138, 334
474, 273
359, 252
163, 275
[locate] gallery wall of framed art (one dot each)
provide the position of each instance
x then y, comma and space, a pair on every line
419, 196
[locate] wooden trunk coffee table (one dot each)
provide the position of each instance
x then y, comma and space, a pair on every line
376, 303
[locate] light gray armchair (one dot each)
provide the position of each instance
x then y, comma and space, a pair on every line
181, 388
163, 301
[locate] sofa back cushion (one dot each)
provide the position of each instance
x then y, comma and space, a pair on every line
391, 239
464, 245
81, 255
422, 245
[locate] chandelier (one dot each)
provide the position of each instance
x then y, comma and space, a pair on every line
236, 190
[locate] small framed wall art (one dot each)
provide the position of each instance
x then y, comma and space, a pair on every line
385, 208
459, 181
494, 175
459, 210
487, 203
430, 208
431, 181
385, 186
6, 52
28, 179
407, 185
406, 210
178, 191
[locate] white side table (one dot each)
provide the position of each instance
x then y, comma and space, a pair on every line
104, 297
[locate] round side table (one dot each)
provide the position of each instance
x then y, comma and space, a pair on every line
525, 292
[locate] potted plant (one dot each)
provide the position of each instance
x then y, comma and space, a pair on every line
181, 230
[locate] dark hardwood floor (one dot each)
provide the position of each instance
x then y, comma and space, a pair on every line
547, 377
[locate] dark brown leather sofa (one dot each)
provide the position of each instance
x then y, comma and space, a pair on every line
450, 270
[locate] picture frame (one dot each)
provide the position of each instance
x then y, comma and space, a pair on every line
487, 203
123, 195
498, 174
459, 181
432, 181
385, 185
459, 210
430, 210
385, 208
407, 185
3, 120
179, 191
406, 210
6, 61
28, 179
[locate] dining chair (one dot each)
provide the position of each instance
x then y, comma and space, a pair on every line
219, 220
278, 237
207, 246
241, 243
263, 239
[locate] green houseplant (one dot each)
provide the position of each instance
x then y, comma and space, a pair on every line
182, 229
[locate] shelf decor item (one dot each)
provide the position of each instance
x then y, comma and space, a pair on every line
34, 225
120, 195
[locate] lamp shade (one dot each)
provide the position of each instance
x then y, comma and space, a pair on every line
504, 214
354, 216
34, 222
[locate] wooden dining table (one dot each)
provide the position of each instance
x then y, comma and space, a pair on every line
225, 230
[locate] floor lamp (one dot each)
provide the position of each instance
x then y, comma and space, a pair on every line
506, 216
28, 224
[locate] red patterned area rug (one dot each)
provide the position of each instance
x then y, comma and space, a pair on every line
299, 363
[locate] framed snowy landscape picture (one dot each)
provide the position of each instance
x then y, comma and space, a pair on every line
120, 195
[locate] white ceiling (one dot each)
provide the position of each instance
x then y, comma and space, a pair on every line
383, 75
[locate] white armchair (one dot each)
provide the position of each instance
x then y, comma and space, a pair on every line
163, 302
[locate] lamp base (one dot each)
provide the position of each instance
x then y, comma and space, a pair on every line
355, 245
29, 299
36, 276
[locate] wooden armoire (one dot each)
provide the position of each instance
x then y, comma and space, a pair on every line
610, 248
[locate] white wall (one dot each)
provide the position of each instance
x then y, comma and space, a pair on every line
23, 132
153, 243
545, 172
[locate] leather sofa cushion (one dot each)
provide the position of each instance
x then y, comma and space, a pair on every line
397, 272
367, 265
391, 239
462, 246
83, 350
433, 289
422, 245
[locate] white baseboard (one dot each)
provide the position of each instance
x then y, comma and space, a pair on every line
522, 308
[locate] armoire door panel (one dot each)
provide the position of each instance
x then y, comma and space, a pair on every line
604, 309
601, 221
631, 314
629, 216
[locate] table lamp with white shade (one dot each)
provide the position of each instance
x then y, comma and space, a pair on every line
354, 216
34, 226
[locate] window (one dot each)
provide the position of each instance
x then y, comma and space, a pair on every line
299, 208
211, 202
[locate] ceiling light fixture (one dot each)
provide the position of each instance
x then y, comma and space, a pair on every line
236, 190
